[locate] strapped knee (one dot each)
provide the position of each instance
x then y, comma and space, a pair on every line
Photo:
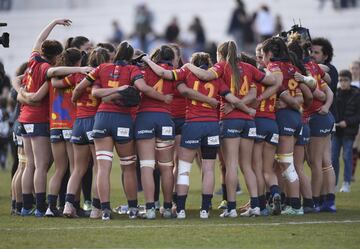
127, 160
166, 164
147, 163
163, 144
184, 169
22, 158
327, 169
104, 155
290, 173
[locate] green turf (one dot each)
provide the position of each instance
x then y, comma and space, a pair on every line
340, 230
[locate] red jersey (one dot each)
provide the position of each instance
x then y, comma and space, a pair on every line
62, 110
288, 70
178, 105
86, 105
34, 78
266, 108
199, 111
162, 86
249, 74
111, 75
318, 74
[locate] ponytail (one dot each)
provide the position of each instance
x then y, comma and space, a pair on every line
232, 59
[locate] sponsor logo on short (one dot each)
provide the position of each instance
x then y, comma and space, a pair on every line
275, 138
289, 129
233, 131
123, 132
214, 140
75, 138
325, 130
89, 135
191, 141
55, 136
145, 131
252, 132
29, 128
99, 131
167, 131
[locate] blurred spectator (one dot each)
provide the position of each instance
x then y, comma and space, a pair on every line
172, 31
278, 25
143, 26
198, 30
211, 48
355, 73
118, 34
264, 23
5, 4
236, 27
4, 132
4, 82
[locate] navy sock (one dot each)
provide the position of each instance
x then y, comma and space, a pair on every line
70, 198
28, 201
262, 202
322, 199
231, 205
330, 198
274, 189
205, 203
52, 199
283, 197
308, 202
150, 205
224, 193
254, 202
181, 201
287, 201
167, 205
18, 206
267, 195
316, 200
96, 203
13, 204
133, 203
105, 205
40, 201
174, 197
295, 202
77, 205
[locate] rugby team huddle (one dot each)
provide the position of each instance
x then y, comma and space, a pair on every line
267, 115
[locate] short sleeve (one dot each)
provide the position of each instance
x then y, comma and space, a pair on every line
274, 68
218, 69
135, 74
223, 88
93, 75
180, 74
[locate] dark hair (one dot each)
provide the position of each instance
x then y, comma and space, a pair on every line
296, 54
228, 51
200, 59
277, 46
177, 50
124, 52
345, 73
326, 48
50, 49
98, 56
297, 62
76, 42
244, 57
107, 46
69, 57
21, 70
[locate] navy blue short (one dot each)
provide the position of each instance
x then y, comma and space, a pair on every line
36, 130
179, 123
117, 125
154, 124
82, 133
18, 130
267, 130
289, 122
321, 125
196, 134
60, 135
304, 135
232, 128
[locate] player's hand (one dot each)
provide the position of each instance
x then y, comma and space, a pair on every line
323, 110
252, 112
145, 58
299, 77
214, 103
168, 98
227, 108
342, 124
64, 22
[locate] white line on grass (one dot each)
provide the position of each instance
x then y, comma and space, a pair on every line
176, 225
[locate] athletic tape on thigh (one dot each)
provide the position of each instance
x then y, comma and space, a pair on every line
104, 155
184, 169
164, 144
328, 168
284, 158
127, 160
147, 163
167, 164
22, 158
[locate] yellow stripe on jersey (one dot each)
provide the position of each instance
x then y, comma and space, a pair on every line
90, 76
67, 81
174, 74
212, 70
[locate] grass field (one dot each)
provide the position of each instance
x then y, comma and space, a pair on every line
340, 230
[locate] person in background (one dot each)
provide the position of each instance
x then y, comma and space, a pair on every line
200, 39
236, 27
172, 30
264, 22
348, 103
118, 34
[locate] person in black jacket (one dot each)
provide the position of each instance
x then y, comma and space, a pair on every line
348, 111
